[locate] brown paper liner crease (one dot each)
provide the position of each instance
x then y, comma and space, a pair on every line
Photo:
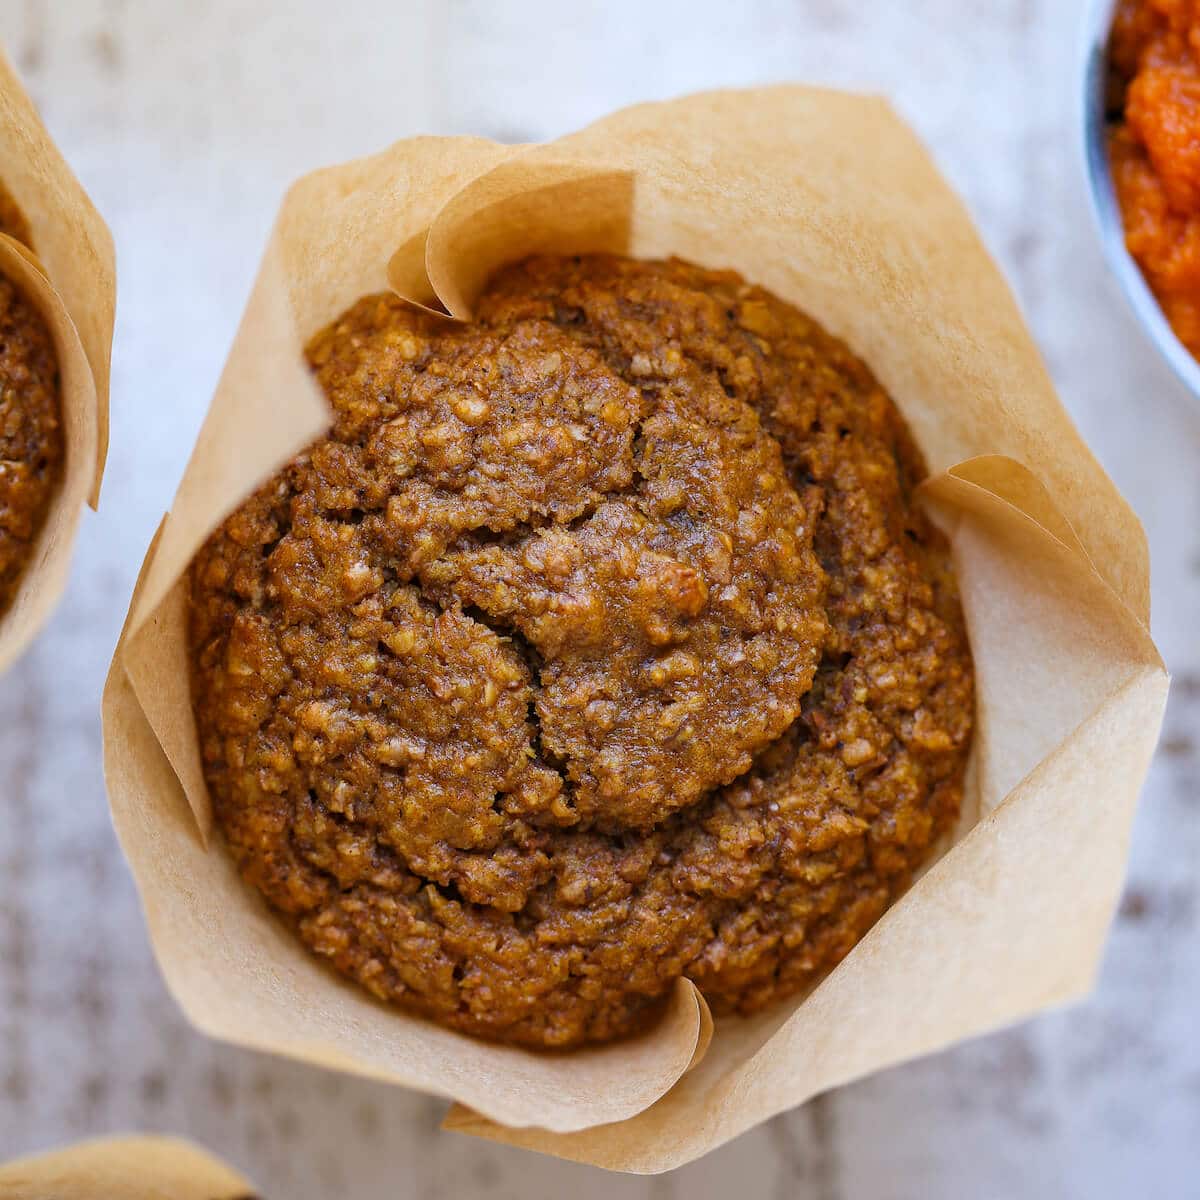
70, 277
828, 200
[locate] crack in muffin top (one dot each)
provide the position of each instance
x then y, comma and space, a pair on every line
598, 643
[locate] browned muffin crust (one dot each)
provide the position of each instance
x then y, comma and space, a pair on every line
31, 436
600, 643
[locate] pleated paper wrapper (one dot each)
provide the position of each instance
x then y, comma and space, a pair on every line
828, 200
70, 278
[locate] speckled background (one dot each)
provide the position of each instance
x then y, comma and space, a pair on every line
185, 120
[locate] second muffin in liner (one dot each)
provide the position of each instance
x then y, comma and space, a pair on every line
58, 253
829, 202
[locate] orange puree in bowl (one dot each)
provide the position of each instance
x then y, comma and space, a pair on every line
1154, 148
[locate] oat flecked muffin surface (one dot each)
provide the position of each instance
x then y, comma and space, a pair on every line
599, 643
31, 436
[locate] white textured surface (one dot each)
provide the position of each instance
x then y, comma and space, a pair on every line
186, 119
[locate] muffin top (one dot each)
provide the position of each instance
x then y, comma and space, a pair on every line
600, 642
31, 436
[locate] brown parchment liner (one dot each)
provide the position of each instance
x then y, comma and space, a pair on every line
123, 1168
828, 200
71, 279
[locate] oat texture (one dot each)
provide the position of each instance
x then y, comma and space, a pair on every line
31, 436
600, 642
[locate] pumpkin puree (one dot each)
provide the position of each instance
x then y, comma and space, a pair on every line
1154, 146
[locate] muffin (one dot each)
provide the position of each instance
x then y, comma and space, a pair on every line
31, 435
600, 642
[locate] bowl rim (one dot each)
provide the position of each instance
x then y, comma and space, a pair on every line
1106, 211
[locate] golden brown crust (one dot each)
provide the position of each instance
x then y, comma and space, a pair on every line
31, 437
599, 643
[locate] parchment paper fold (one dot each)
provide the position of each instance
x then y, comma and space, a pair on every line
123, 1168
828, 200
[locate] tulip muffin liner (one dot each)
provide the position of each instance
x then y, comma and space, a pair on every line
123, 1168
828, 200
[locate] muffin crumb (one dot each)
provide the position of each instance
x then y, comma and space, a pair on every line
31, 436
599, 643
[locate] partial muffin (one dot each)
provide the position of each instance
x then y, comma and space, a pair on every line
600, 642
31, 435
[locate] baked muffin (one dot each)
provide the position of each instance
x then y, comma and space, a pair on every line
31, 436
600, 642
